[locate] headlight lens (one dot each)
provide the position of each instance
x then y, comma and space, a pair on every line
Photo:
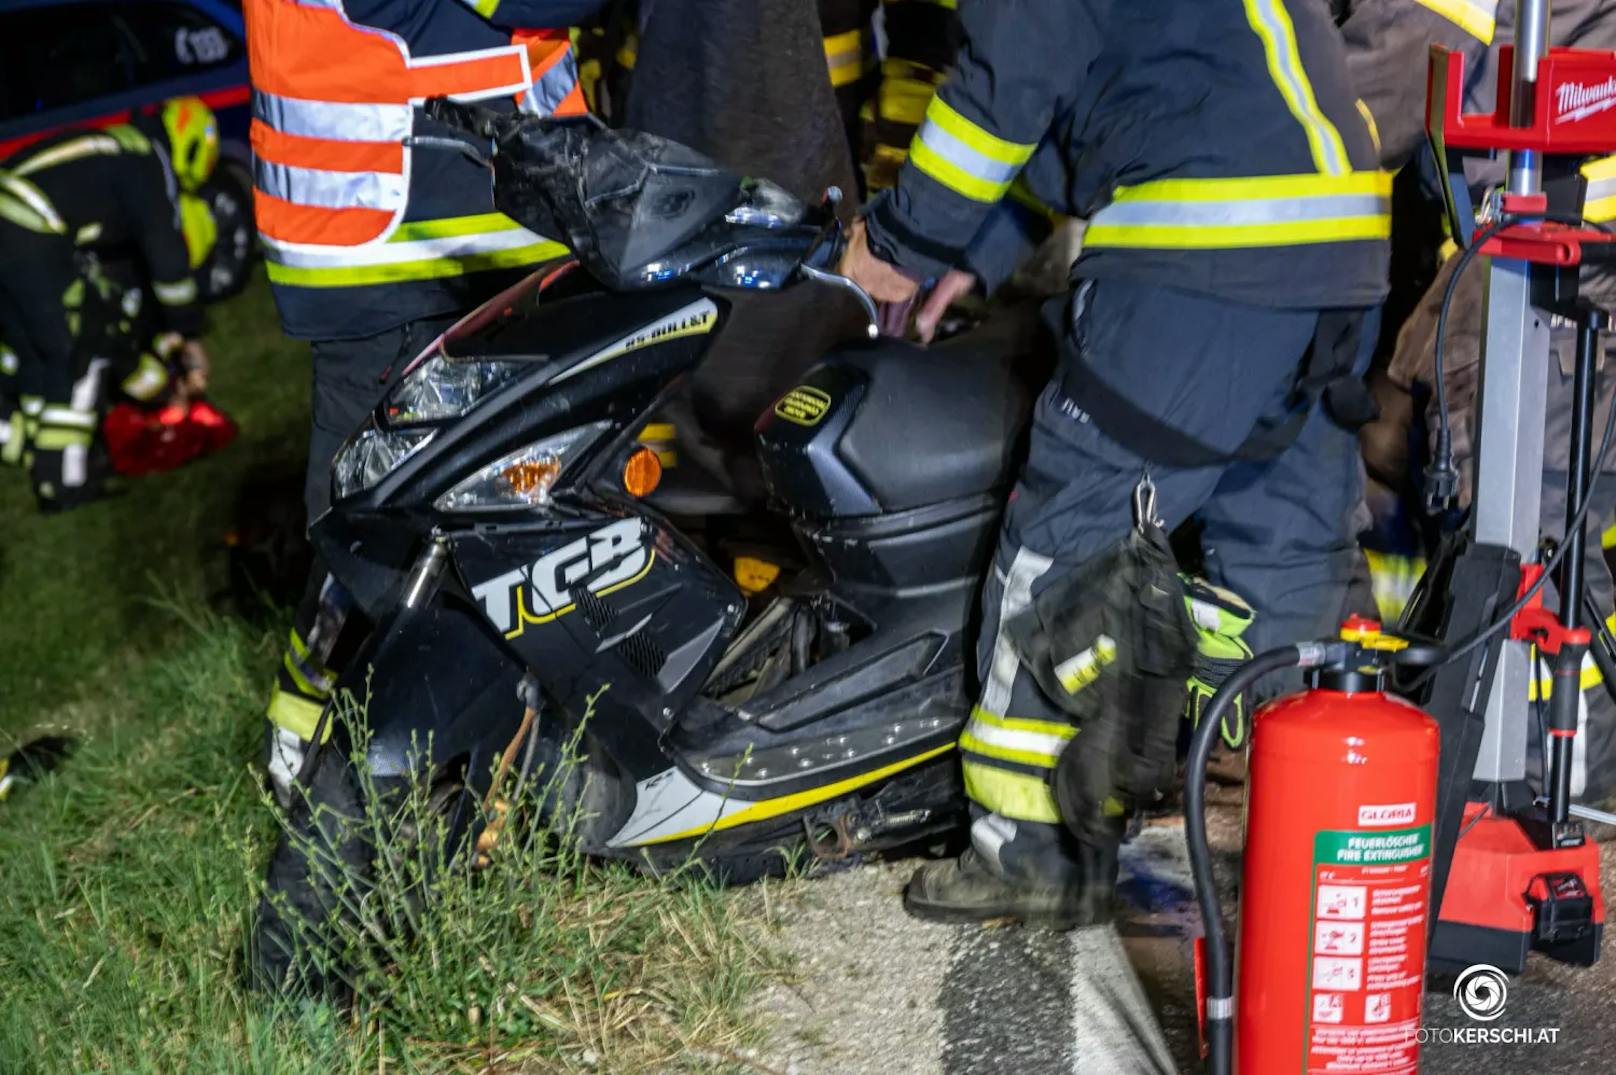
442, 388
522, 479
371, 455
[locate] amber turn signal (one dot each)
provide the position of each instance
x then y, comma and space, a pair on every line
642, 473
532, 475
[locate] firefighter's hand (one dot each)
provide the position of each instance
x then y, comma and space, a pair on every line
196, 365
884, 281
955, 282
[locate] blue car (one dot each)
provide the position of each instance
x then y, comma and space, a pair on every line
77, 63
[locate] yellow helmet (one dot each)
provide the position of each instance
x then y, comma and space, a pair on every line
193, 136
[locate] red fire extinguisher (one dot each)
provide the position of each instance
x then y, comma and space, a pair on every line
1340, 799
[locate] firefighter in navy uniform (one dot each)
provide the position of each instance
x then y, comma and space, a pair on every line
376, 231
62, 199
1237, 236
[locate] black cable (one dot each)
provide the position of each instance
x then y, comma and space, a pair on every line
1442, 471
1441, 476
1482, 636
1220, 974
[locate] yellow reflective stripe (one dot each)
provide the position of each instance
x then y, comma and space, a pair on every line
1599, 199
1272, 24
954, 177
19, 214
25, 204
975, 745
978, 138
1257, 187
1018, 724
89, 145
1245, 211
299, 678
1607, 540
148, 379
1028, 742
1600, 210
11, 447
67, 417
422, 269
1369, 121
1599, 168
297, 715
1012, 795
1478, 18
964, 157
55, 439
175, 292
845, 56
1086, 666
1174, 237
301, 650
486, 8
785, 804
451, 227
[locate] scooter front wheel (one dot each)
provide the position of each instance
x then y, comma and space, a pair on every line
320, 860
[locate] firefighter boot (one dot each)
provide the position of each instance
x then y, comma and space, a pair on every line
967, 889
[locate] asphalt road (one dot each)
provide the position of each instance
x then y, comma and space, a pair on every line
879, 993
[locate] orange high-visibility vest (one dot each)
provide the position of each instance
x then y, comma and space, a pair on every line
333, 104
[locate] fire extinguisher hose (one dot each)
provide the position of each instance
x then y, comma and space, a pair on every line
1220, 970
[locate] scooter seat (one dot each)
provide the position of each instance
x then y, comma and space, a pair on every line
941, 422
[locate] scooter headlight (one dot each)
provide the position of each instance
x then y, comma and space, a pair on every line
524, 478
371, 454
443, 387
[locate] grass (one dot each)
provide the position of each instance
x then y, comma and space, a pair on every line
128, 878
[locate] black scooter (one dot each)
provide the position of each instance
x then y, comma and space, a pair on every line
491, 518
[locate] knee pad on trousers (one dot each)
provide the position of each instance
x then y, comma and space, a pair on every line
1113, 646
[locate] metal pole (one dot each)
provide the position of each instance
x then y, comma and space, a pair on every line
1531, 42
1509, 435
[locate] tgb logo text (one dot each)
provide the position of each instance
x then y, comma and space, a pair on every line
611, 556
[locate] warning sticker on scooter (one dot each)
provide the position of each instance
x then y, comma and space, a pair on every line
1366, 959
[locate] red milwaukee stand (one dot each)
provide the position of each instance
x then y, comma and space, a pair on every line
1513, 871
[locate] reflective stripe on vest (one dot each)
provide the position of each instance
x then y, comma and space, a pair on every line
1478, 18
333, 104
418, 250
1599, 200
1256, 211
24, 204
847, 56
555, 89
